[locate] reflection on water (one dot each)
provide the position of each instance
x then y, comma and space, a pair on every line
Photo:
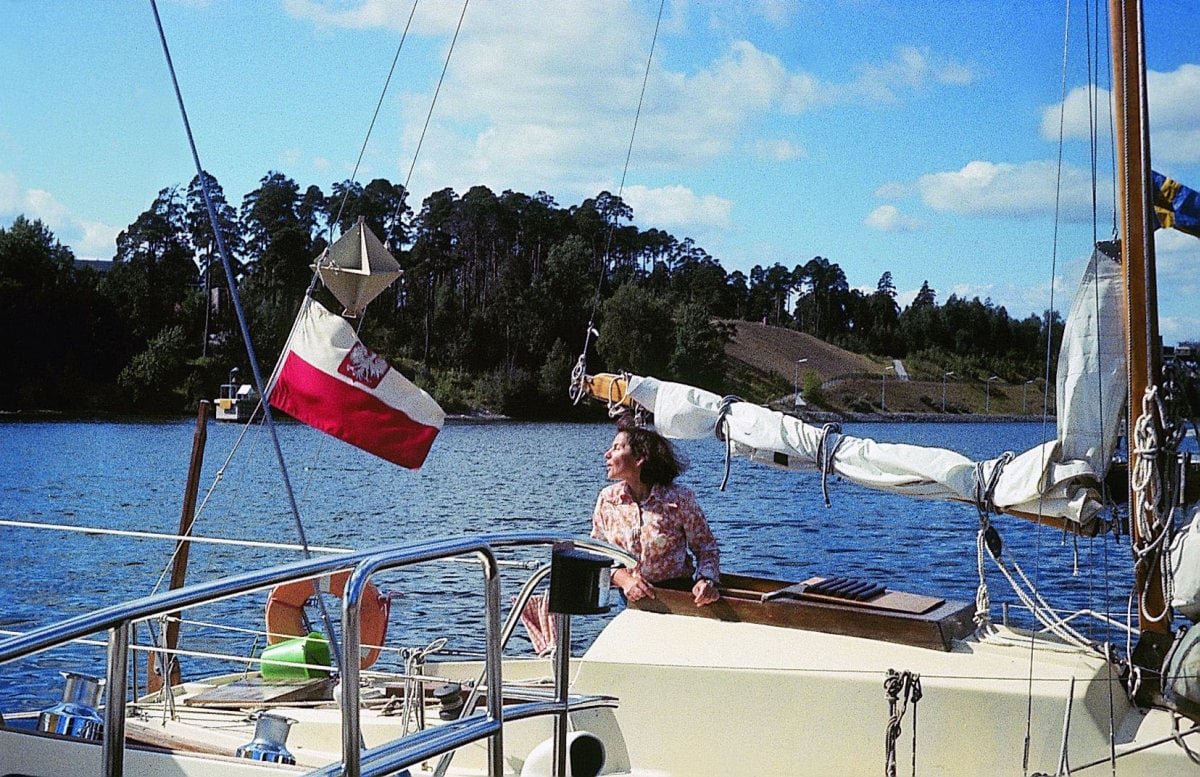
479, 478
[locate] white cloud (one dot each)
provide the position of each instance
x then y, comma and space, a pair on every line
910, 69
1008, 190
1177, 257
367, 14
1174, 115
779, 150
888, 218
10, 195
893, 190
677, 206
544, 96
87, 238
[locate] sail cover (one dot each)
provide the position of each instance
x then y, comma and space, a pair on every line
1058, 478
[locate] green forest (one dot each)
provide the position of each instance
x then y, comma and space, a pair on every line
490, 314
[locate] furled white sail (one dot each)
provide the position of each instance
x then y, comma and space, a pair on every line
1092, 382
1057, 478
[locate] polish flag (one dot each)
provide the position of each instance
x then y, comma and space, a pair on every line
329, 380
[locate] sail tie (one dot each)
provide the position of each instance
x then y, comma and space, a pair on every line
825, 453
721, 429
900, 687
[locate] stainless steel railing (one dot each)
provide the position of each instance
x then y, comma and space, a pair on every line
118, 621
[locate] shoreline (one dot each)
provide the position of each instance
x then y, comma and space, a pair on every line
809, 417
831, 416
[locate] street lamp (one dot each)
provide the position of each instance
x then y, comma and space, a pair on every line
1024, 389
796, 382
883, 388
944, 376
987, 395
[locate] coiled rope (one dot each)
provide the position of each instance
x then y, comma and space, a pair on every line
1147, 486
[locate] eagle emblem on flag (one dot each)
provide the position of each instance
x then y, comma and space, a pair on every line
362, 365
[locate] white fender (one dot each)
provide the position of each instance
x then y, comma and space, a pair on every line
585, 757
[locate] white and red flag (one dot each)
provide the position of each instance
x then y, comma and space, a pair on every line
329, 380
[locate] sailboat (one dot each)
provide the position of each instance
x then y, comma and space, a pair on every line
810, 677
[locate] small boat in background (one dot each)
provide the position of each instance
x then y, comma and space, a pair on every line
237, 401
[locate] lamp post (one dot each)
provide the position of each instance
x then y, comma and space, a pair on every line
944, 376
987, 395
883, 388
796, 382
1024, 390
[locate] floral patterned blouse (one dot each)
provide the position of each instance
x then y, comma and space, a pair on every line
659, 531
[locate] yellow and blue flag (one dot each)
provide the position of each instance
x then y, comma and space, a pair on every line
1176, 206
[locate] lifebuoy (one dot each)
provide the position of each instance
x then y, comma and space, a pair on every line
285, 612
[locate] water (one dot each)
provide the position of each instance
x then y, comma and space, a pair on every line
479, 478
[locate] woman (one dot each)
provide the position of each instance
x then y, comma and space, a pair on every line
645, 513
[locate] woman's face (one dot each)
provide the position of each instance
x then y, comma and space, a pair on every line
619, 461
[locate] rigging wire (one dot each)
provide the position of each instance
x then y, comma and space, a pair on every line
1092, 11
243, 325
313, 281
378, 105
432, 103
1050, 318
591, 325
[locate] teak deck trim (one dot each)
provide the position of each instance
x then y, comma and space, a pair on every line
893, 616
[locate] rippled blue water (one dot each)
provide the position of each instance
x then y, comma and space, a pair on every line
479, 477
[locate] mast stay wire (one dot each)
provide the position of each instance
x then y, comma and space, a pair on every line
1094, 40
244, 326
429, 116
375, 116
1092, 45
591, 325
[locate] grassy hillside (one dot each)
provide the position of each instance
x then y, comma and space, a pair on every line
762, 367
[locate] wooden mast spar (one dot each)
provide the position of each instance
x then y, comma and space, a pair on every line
1138, 271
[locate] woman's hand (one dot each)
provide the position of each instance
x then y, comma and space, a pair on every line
632, 584
705, 592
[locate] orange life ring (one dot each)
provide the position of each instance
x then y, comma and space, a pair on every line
285, 612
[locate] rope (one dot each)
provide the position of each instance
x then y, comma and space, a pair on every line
1038, 606
413, 698
825, 454
986, 537
1148, 490
721, 429
900, 687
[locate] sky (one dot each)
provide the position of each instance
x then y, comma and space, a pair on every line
944, 142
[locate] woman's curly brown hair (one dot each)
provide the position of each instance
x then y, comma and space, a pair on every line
661, 463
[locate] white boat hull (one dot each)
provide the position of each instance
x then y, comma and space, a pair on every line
705, 697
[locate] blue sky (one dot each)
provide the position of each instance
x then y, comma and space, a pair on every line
918, 137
